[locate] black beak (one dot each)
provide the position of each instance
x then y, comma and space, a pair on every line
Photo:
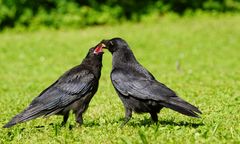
104, 44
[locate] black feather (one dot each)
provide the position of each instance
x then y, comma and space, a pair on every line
137, 87
72, 91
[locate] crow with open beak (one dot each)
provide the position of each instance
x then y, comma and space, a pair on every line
72, 91
137, 88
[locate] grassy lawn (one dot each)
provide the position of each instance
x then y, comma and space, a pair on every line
198, 57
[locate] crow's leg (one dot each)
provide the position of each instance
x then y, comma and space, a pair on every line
128, 115
65, 118
79, 118
154, 116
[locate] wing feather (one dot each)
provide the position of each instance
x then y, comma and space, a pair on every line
67, 89
130, 83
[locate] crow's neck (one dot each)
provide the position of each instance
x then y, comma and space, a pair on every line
94, 65
123, 57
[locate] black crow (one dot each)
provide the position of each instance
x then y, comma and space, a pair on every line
72, 91
137, 88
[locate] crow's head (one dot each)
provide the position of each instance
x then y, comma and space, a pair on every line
114, 44
98, 50
95, 52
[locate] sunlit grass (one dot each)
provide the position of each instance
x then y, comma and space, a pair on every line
198, 57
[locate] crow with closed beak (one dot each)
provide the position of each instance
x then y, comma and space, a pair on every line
137, 88
72, 91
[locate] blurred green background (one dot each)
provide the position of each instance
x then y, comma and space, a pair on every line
34, 14
192, 46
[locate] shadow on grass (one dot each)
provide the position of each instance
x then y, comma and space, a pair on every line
145, 122
85, 124
71, 126
149, 122
182, 123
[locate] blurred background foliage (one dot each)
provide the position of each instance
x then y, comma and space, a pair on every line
80, 13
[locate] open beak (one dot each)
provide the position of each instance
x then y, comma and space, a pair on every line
99, 48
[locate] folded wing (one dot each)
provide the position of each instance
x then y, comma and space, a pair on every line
132, 83
66, 90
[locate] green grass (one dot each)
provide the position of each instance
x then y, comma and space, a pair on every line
198, 57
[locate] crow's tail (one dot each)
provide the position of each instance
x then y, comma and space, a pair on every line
26, 115
183, 107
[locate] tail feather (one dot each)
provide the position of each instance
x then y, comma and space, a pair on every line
19, 119
182, 107
26, 115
